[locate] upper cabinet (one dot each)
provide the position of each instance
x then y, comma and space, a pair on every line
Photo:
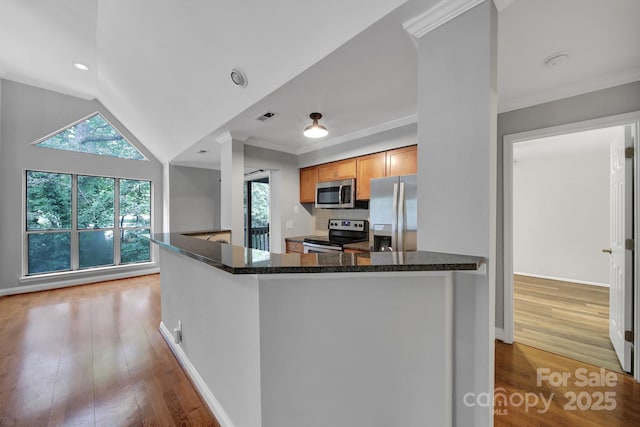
343, 169
371, 166
402, 161
308, 180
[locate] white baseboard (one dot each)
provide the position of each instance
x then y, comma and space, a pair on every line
564, 279
51, 283
500, 334
196, 379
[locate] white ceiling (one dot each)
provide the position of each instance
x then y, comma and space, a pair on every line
162, 67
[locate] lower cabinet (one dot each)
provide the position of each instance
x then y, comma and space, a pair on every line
294, 247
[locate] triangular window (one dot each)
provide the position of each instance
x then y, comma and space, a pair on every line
93, 135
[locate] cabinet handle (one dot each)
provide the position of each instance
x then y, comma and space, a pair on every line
607, 251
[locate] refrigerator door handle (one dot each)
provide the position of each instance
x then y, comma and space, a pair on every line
401, 218
394, 225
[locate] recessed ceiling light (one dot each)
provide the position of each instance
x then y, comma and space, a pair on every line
556, 59
81, 66
202, 151
239, 78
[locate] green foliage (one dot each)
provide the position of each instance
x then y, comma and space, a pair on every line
259, 204
133, 248
135, 203
49, 252
48, 201
95, 202
94, 136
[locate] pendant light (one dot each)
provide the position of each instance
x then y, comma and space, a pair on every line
315, 130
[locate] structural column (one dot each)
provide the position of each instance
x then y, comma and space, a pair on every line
457, 116
231, 190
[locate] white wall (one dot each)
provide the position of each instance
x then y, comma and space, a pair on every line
28, 114
285, 194
194, 198
561, 214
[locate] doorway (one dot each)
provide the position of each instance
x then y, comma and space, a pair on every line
257, 210
547, 281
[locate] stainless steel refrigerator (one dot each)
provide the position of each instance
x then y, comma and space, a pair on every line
393, 211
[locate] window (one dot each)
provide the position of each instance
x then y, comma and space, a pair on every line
78, 222
93, 135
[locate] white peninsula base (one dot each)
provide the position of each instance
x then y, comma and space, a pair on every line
315, 349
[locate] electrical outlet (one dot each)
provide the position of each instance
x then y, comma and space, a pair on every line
289, 224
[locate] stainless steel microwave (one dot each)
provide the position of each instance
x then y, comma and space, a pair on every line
336, 194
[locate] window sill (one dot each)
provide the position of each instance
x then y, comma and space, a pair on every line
63, 279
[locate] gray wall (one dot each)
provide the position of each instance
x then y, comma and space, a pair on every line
28, 114
387, 140
602, 103
194, 199
285, 193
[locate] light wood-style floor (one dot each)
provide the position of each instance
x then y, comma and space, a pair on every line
92, 356
568, 319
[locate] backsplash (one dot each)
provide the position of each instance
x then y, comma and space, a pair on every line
321, 217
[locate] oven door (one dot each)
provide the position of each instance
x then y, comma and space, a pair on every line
315, 248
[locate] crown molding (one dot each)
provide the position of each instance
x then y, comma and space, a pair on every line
438, 15
403, 121
567, 91
503, 4
228, 136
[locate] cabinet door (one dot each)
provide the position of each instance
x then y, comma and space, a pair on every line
294, 247
308, 180
402, 161
343, 169
371, 166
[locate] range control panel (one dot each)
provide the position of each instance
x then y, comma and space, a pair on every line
348, 224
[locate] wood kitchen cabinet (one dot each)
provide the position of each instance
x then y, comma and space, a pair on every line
343, 169
371, 166
402, 161
294, 247
308, 181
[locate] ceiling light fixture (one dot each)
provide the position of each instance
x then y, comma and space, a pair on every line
81, 66
556, 59
315, 130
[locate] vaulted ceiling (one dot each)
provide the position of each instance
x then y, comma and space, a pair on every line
162, 67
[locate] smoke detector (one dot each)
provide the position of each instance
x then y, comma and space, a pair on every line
556, 59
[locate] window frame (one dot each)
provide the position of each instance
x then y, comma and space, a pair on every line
75, 231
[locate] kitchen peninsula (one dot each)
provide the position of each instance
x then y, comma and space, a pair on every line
341, 339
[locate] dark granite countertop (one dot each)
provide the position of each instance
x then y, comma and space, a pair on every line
241, 260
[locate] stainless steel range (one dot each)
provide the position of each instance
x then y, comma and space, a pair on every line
341, 232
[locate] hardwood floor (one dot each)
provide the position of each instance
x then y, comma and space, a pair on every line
92, 355
575, 403
564, 318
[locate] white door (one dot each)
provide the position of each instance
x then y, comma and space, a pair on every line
621, 230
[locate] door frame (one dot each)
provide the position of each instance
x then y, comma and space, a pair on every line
632, 119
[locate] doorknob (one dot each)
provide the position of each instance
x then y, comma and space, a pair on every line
607, 251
